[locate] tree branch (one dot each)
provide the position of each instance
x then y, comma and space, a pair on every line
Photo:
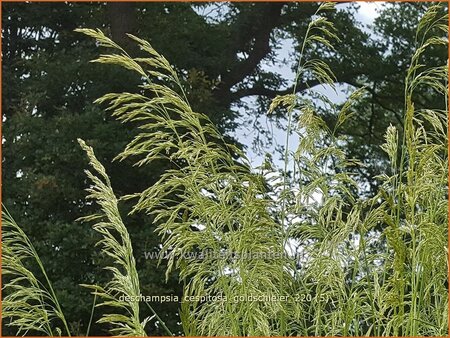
260, 48
271, 93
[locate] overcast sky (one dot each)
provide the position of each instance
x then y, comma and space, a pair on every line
245, 133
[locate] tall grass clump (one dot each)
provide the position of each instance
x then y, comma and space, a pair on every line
357, 286
116, 244
30, 303
373, 266
209, 203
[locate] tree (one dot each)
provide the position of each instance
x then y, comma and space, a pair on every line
49, 87
209, 201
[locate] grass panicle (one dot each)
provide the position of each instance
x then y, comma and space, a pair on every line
363, 266
30, 303
122, 292
209, 203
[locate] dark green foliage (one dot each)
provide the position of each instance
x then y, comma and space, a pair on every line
49, 86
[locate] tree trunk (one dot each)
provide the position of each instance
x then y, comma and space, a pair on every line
122, 18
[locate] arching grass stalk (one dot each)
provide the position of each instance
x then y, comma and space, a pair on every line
419, 156
210, 189
318, 68
324, 30
30, 304
92, 315
116, 244
158, 318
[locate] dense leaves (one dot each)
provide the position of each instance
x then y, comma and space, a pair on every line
49, 86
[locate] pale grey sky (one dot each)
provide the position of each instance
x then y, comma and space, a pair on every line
245, 133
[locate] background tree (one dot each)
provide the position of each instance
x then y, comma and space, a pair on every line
49, 85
